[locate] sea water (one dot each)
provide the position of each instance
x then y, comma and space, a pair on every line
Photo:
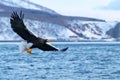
82, 61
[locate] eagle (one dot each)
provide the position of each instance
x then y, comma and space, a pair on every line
32, 41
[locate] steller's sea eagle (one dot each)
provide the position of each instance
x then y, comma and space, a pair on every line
19, 27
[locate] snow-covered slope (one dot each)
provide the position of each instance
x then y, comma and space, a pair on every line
91, 30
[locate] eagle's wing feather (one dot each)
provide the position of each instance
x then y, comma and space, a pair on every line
18, 26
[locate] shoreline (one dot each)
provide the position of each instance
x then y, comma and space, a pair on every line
12, 41
59, 41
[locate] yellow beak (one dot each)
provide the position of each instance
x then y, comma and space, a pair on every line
48, 40
29, 51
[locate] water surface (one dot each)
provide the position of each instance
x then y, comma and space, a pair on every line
82, 61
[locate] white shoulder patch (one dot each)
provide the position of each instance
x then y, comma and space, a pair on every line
29, 45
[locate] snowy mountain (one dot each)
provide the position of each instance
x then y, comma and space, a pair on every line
47, 23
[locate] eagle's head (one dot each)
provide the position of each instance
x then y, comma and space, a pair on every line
26, 47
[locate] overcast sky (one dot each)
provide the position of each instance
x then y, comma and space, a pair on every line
103, 9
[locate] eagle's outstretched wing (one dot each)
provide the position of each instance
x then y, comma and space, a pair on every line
49, 47
19, 27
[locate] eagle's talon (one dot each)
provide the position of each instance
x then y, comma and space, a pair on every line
29, 51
